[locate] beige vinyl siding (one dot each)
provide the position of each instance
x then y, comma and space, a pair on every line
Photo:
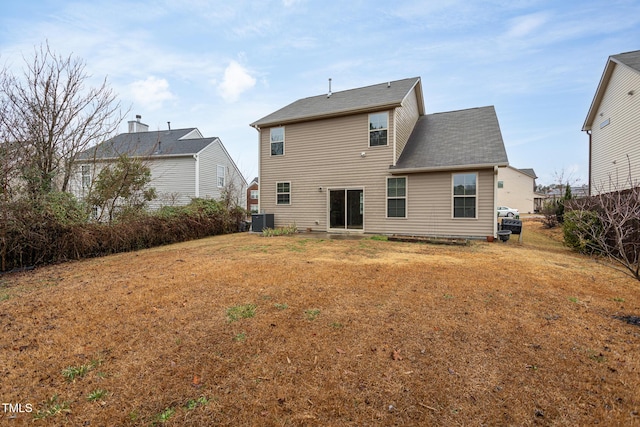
517, 192
621, 137
406, 118
430, 207
324, 154
174, 180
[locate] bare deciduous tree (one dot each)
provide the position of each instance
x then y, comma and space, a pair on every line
52, 116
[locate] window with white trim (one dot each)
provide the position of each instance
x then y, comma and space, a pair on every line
283, 193
221, 175
254, 194
254, 208
86, 176
397, 197
277, 141
378, 127
464, 195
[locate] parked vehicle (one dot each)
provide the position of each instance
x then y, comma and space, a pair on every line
507, 211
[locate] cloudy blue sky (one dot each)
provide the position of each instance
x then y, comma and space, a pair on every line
220, 65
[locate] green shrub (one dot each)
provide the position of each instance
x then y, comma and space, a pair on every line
580, 229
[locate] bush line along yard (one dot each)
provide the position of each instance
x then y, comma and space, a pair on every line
241, 329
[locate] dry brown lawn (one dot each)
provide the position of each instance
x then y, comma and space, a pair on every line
345, 333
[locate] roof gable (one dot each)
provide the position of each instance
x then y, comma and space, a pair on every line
364, 99
628, 59
529, 172
455, 139
178, 142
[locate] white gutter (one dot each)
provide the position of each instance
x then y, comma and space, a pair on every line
149, 157
394, 171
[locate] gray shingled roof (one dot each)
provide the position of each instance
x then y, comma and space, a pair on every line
143, 144
454, 139
529, 172
362, 99
630, 59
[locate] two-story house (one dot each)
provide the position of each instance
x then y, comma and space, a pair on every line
253, 196
184, 164
613, 126
517, 189
370, 160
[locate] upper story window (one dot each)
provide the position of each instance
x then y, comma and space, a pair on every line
277, 141
378, 127
254, 194
500, 184
221, 173
86, 176
464, 195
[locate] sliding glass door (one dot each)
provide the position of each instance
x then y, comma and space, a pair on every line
346, 209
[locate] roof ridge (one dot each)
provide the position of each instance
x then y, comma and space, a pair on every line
357, 88
460, 110
158, 130
361, 99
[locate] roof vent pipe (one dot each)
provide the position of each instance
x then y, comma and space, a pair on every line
329, 94
169, 125
388, 84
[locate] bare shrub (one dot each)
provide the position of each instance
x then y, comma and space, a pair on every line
608, 224
47, 235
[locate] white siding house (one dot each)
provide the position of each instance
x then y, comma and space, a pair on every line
613, 126
184, 165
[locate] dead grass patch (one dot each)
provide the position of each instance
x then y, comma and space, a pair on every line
402, 334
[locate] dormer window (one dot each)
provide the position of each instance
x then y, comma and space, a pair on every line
378, 126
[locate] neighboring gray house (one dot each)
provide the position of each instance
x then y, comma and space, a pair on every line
369, 160
184, 164
613, 126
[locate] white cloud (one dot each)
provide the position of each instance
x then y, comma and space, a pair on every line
525, 25
236, 81
151, 93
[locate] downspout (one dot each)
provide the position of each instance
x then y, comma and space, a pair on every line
197, 159
495, 201
395, 141
590, 148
